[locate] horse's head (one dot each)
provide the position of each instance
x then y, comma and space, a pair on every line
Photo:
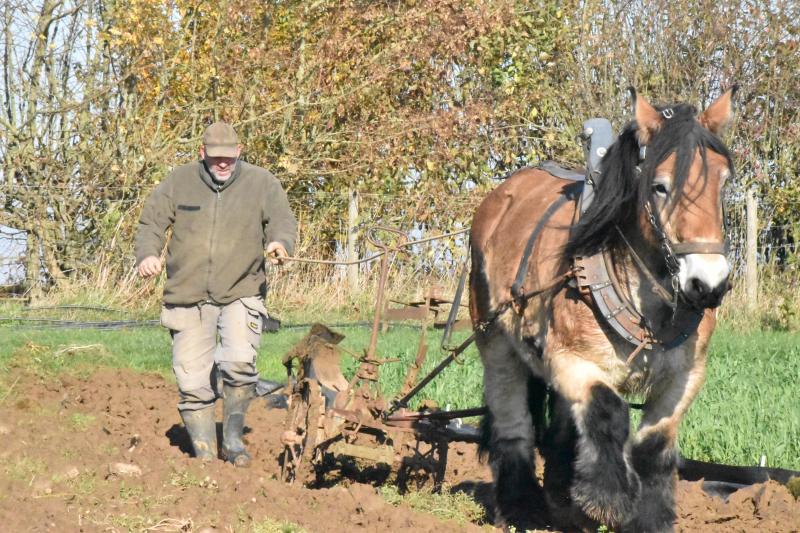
682, 168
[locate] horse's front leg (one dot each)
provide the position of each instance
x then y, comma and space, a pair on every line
654, 454
604, 485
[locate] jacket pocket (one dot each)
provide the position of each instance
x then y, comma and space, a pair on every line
256, 313
177, 317
191, 222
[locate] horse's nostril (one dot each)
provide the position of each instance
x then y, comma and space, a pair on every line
700, 293
699, 287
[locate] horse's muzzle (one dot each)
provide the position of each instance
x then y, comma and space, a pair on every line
701, 296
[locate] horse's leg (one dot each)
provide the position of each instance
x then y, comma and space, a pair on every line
508, 432
653, 453
559, 450
604, 485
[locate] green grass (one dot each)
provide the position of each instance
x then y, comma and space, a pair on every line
459, 385
84, 484
750, 404
148, 350
127, 522
748, 408
53, 351
185, 479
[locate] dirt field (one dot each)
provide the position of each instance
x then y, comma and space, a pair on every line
107, 453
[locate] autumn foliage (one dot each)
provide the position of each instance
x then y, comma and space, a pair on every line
418, 105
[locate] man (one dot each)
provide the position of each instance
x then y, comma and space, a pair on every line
222, 212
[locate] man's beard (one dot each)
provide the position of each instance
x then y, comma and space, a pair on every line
217, 179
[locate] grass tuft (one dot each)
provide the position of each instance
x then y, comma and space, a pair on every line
456, 506
274, 526
84, 484
794, 486
24, 467
185, 479
81, 422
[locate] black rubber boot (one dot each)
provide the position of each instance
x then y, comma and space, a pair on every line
235, 403
202, 431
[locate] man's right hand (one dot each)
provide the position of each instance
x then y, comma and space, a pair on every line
150, 266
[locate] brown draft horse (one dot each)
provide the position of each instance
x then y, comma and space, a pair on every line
555, 372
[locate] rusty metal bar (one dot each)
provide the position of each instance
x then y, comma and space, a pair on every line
373, 340
437, 415
451, 317
449, 433
376, 322
422, 348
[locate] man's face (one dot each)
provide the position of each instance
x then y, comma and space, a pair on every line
220, 167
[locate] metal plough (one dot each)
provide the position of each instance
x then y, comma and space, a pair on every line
332, 422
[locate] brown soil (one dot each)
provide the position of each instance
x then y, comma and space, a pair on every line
70, 443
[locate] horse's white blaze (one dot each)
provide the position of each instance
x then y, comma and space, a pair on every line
712, 269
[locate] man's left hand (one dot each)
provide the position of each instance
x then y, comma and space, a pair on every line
276, 252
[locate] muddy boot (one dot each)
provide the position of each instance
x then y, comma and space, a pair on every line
235, 403
202, 431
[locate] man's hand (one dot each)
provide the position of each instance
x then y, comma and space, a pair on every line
276, 252
150, 266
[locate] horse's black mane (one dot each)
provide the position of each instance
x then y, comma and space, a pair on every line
621, 190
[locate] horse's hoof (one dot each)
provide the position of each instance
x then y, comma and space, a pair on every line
610, 500
519, 520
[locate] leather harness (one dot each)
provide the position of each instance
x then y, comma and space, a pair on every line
594, 276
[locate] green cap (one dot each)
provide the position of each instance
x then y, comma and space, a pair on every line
220, 140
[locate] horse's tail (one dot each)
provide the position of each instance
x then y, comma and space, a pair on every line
538, 394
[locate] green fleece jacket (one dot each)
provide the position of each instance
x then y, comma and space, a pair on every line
219, 232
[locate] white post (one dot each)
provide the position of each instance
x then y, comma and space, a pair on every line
751, 253
352, 253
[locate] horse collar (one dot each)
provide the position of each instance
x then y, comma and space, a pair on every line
596, 281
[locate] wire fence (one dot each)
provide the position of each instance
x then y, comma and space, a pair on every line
417, 216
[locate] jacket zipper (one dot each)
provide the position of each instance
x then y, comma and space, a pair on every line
211, 248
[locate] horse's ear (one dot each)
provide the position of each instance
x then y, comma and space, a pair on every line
648, 119
719, 113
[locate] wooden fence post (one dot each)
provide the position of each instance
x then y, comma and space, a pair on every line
352, 253
33, 265
751, 253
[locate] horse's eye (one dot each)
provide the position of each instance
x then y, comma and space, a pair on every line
660, 189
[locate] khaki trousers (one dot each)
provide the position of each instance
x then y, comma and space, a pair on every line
211, 338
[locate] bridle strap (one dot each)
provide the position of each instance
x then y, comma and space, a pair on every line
684, 248
674, 249
658, 289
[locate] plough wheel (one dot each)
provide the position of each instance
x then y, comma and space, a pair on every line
302, 432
